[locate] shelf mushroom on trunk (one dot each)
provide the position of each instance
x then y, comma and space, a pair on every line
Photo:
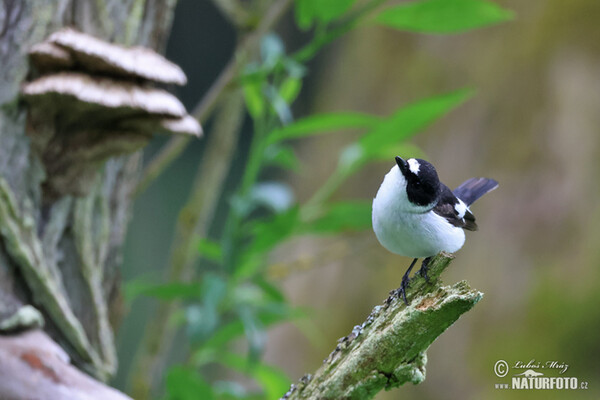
87, 101
90, 100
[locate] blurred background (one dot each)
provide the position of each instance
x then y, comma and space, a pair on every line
533, 125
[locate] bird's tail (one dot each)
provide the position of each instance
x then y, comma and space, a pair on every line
472, 189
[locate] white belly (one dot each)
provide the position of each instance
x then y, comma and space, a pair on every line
415, 235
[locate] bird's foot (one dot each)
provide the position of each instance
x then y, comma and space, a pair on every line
401, 291
424, 269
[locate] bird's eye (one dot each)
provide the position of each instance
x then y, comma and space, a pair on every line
417, 183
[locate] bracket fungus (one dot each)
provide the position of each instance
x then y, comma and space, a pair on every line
91, 100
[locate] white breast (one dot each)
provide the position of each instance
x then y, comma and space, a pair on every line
410, 230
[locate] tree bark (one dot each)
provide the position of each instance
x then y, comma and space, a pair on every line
389, 348
59, 254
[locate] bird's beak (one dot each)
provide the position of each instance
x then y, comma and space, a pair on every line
402, 164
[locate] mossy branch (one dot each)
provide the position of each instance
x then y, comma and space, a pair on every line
388, 349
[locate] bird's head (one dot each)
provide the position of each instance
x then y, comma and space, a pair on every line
419, 179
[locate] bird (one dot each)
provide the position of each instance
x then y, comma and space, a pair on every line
416, 215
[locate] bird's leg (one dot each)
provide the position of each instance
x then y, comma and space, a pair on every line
425, 268
405, 279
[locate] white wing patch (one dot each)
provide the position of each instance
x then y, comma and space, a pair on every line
461, 208
414, 166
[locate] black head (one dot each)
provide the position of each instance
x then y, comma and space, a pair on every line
422, 182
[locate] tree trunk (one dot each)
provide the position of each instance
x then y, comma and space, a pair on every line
60, 252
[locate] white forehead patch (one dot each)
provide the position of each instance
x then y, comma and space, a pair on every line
414, 166
461, 208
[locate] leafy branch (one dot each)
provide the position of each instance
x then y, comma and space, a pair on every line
207, 103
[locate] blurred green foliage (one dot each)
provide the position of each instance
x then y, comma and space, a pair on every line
443, 16
228, 311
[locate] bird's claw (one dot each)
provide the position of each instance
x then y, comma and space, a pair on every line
402, 289
424, 269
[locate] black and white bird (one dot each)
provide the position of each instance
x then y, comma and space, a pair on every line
416, 215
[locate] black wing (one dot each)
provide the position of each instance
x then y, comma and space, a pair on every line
472, 189
447, 208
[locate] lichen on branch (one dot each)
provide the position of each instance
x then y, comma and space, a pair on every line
389, 348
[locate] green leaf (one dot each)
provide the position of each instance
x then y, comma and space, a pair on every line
214, 289
279, 105
281, 156
409, 120
289, 89
202, 319
387, 138
255, 103
272, 292
210, 250
321, 123
186, 384
254, 330
303, 14
342, 216
220, 338
329, 10
234, 329
443, 16
325, 11
273, 381
353, 156
266, 234
405, 150
385, 135
272, 230
163, 291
